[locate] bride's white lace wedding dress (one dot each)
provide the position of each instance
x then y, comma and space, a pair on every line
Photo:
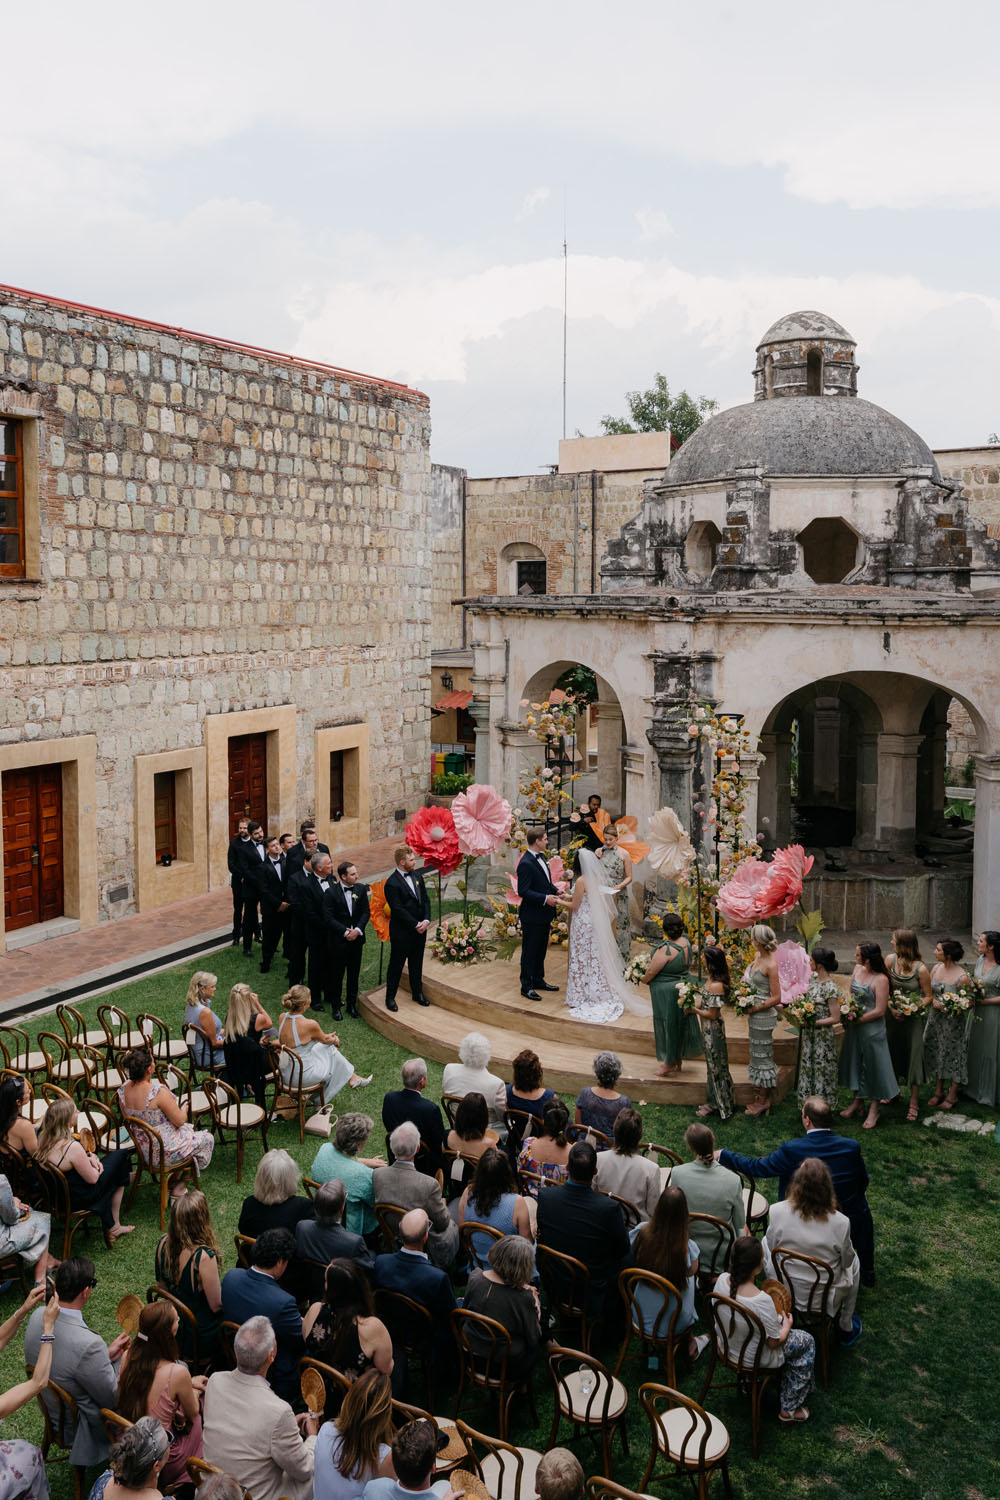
596, 990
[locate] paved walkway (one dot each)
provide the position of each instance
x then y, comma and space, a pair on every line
113, 950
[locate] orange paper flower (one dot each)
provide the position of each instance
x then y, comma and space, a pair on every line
379, 909
628, 839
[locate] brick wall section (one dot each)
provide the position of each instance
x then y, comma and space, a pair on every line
221, 529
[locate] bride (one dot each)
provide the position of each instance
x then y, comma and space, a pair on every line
595, 988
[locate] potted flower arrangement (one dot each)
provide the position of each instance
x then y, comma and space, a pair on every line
461, 941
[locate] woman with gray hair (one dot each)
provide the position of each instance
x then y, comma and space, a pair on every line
340, 1159
505, 1293
135, 1462
275, 1202
598, 1108
471, 1075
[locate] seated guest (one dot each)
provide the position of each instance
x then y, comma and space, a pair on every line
414, 1455
559, 1476
208, 1044
579, 1222
492, 1198
325, 1238
471, 1075
789, 1349
808, 1222
409, 1270
472, 1135
626, 1173
275, 1202
547, 1154
405, 1187
342, 1330
150, 1100
17, 1135
408, 1103
246, 1292
341, 1159
82, 1363
664, 1247
24, 1231
220, 1487
355, 1447
319, 1050
95, 1182
247, 1064
187, 1264
709, 1188
152, 1382
505, 1293
22, 1468
598, 1107
527, 1093
249, 1431
136, 1463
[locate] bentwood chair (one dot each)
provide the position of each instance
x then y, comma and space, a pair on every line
738, 1340
589, 1397
60, 1416
810, 1281
686, 1437
508, 1472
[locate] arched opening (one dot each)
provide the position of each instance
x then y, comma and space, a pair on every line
814, 372
522, 569
830, 549
700, 548
822, 739
597, 752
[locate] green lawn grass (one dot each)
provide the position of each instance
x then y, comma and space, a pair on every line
912, 1409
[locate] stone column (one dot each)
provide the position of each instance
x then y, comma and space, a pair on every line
750, 768
673, 745
866, 798
897, 791
774, 794
634, 798
610, 734
986, 849
479, 708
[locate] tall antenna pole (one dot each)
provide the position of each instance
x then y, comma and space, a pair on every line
565, 307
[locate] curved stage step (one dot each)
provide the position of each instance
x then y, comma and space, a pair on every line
487, 998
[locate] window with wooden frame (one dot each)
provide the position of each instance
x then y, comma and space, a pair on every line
531, 576
165, 815
11, 499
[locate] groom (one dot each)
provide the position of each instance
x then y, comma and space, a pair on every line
538, 908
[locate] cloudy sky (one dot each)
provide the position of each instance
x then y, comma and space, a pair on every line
386, 187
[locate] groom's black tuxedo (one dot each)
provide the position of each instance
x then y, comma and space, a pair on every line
406, 944
533, 885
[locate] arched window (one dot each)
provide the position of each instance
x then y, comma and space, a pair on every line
814, 372
522, 569
700, 547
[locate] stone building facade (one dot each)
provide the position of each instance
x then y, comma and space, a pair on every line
215, 593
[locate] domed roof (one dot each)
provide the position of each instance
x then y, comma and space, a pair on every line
805, 325
811, 435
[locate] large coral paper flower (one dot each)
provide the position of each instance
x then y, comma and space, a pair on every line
737, 899
379, 910
431, 835
783, 886
482, 819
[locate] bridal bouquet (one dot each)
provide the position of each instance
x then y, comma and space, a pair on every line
852, 1007
745, 998
635, 969
689, 996
956, 1002
802, 1011
906, 1005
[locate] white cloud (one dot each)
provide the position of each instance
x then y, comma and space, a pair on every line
653, 224
531, 202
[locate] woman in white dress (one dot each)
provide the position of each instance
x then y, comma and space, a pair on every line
595, 988
322, 1060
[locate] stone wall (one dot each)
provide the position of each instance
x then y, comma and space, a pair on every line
446, 524
221, 529
979, 471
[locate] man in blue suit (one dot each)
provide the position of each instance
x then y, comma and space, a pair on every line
410, 1271
245, 1294
408, 1103
537, 909
846, 1165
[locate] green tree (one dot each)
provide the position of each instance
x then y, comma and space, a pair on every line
655, 410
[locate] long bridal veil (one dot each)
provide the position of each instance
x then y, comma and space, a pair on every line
602, 914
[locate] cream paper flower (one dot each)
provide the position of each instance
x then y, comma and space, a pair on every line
670, 849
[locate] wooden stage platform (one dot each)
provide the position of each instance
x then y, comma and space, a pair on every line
487, 998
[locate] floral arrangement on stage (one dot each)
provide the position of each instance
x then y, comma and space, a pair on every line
635, 968
802, 1011
956, 1002
689, 997
852, 1007
458, 941
542, 790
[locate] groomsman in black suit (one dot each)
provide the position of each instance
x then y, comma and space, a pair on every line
236, 847
300, 854
409, 918
347, 914
269, 882
307, 890
252, 855
537, 910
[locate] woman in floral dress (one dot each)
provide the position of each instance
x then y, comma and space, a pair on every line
148, 1099
719, 1097
617, 869
984, 1044
818, 1051
945, 1046
762, 976
909, 981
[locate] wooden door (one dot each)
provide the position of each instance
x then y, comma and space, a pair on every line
32, 846
247, 780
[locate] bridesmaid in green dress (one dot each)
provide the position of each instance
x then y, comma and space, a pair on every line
674, 1032
909, 979
762, 974
984, 1043
865, 1064
945, 1043
618, 867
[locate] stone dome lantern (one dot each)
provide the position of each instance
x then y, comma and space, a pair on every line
805, 354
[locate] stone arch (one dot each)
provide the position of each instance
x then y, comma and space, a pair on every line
514, 579
493, 563
612, 729
701, 547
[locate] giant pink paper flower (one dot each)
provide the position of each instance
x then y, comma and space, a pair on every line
794, 970
737, 899
482, 819
783, 886
431, 835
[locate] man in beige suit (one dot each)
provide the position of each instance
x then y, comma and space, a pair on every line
402, 1185
249, 1431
